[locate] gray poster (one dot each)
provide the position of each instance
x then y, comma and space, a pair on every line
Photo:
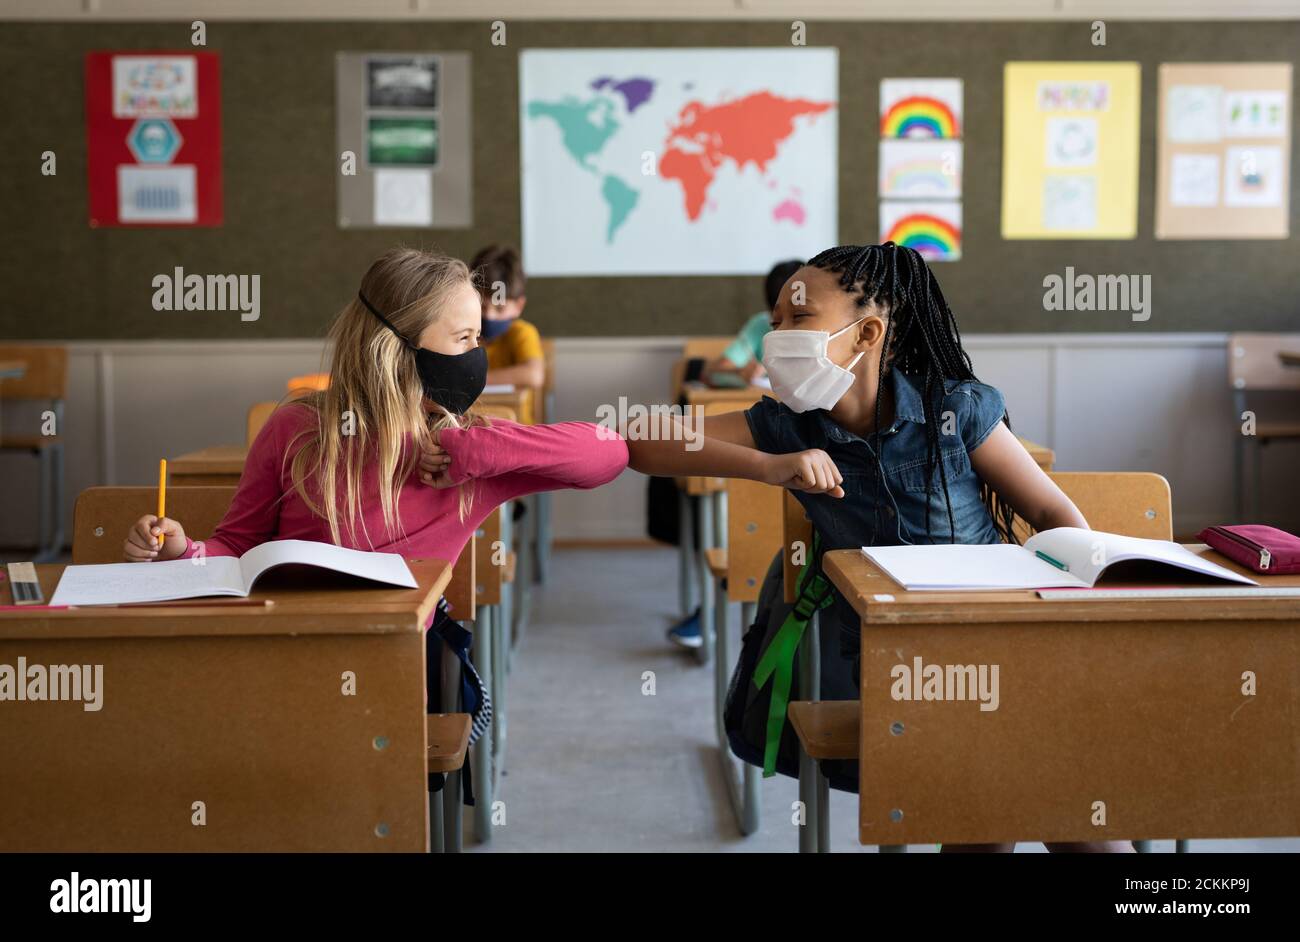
403, 119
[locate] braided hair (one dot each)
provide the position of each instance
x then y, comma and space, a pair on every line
922, 342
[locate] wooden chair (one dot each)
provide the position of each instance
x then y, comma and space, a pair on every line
308, 383
44, 379
1132, 503
1256, 365
258, 413
754, 534
103, 516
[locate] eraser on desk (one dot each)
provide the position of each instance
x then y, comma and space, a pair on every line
882, 598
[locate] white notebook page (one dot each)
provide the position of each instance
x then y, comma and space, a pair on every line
968, 566
115, 583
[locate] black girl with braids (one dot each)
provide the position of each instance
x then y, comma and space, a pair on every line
881, 431
923, 342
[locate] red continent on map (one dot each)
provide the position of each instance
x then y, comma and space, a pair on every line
745, 130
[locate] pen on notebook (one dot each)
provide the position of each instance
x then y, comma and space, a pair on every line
162, 498
1055, 562
223, 603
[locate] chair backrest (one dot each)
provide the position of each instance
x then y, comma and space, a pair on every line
755, 528
548, 358
497, 412
258, 413
796, 541
45, 372
1253, 361
1131, 503
460, 591
705, 347
308, 383
102, 516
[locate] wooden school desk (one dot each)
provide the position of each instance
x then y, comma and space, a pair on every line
1129, 708
241, 708
219, 465
12, 369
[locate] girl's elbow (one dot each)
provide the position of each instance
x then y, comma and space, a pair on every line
617, 459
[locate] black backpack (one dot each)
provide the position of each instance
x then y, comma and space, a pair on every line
757, 733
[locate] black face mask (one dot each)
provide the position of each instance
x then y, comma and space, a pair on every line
452, 380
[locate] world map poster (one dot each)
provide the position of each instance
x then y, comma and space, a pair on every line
676, 161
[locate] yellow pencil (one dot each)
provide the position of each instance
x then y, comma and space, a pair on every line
162, 498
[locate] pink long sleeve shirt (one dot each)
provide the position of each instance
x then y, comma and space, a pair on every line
499, 463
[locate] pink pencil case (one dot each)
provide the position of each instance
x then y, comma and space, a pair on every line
1266, 550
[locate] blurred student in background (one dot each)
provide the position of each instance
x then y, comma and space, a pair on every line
741, 364
514, 346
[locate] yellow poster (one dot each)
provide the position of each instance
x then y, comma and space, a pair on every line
1070, 150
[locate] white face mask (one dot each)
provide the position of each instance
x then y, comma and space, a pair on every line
802, 373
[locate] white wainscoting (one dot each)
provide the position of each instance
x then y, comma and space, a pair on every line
1150, 402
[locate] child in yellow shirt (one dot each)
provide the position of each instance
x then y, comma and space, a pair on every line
514, 346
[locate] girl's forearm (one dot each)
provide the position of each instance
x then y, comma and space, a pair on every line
696, 456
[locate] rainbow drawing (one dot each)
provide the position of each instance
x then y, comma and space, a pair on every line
933, 230
920, 169
920, 116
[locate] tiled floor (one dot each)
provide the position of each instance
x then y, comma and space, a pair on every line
593, 764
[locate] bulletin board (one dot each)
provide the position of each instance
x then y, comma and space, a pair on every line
1070, 150
1224, 152
403, 120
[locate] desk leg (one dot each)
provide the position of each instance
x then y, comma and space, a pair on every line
1142, 847
705, 579
823, 813
523, 582
435, 820
484, 629
543, 549
1180, 846
809, 689
451, 792
686, 552
742, 790
506, 612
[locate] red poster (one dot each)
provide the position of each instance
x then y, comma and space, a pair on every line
153, 138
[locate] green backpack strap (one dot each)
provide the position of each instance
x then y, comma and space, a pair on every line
777, 663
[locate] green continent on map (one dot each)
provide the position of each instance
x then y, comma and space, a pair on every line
585, 126
621, 200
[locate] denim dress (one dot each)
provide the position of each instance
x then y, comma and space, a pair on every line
970, 411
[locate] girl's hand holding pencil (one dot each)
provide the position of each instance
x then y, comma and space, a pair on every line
154, 537
141, 544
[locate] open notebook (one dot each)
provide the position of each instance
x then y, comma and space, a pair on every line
1066, 557
119, 583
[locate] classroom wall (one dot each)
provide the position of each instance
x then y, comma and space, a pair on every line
64, 280
1103, 401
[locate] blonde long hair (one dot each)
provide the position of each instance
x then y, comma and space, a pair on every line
373, 408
